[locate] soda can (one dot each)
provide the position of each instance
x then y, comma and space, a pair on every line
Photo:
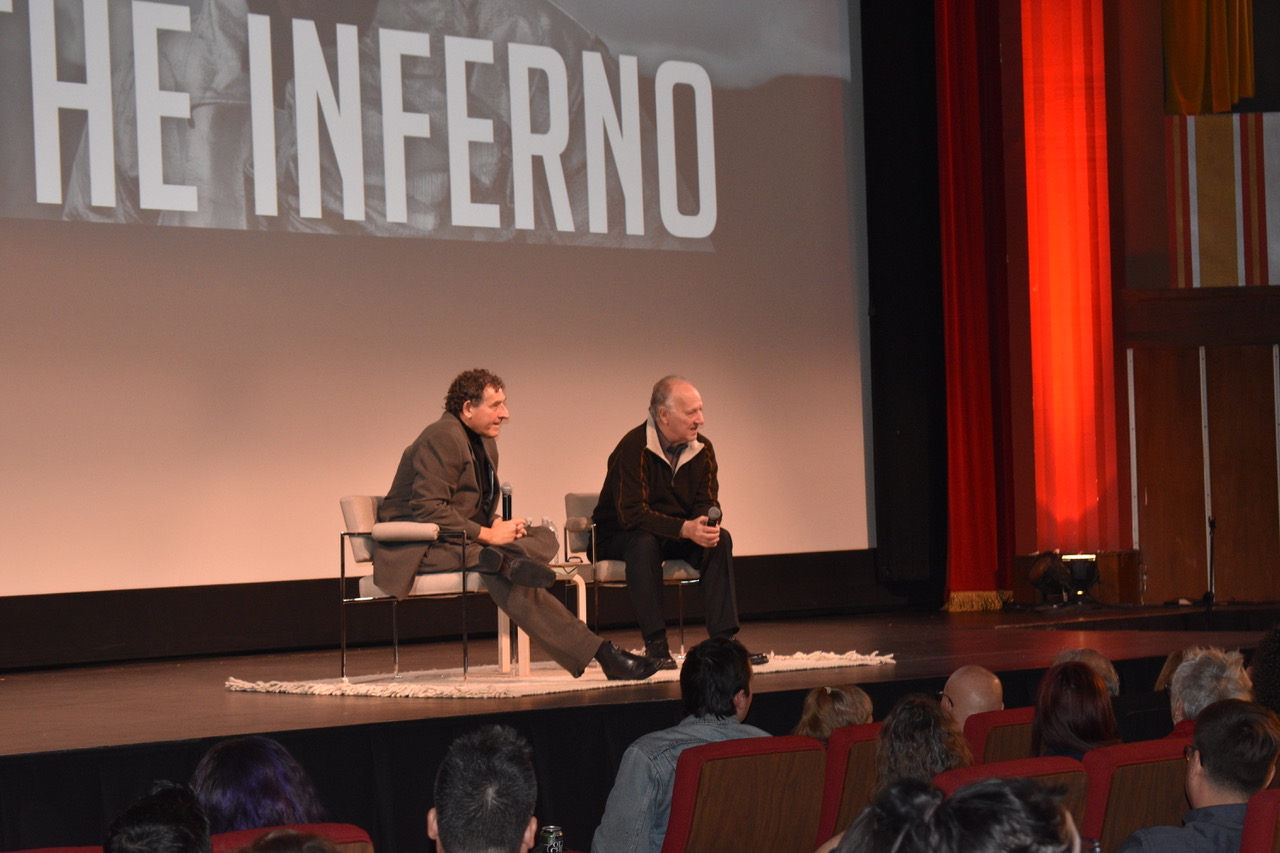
552, 838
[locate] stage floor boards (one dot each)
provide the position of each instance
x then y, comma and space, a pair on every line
148, 702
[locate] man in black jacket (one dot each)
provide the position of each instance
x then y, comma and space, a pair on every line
660, 486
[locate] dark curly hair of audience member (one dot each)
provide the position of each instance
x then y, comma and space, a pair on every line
469, 386
919, 740
248, 782
1265, 670
991, 816
829, 708
1073, 712
290, 841
168, 819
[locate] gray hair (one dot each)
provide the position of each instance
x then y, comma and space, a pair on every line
662, 391
1207, 675
1096, 661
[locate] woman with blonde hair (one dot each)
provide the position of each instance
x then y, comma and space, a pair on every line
828, 708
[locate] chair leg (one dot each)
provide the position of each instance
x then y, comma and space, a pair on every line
342, 604
466, 644
680, 608
395, 638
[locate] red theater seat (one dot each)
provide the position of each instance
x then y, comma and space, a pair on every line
760, 793
850, 775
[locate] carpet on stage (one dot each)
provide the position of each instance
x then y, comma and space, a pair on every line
545, 677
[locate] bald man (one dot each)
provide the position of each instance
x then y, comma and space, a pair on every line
972, 690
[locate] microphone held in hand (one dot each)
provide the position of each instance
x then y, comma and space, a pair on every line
713, 516
506, 501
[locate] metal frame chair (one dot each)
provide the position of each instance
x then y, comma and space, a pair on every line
359, 514
580, 547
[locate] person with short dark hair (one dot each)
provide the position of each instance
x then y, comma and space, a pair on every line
168, 819
715, 686
253, 781
1073, 712
449, 476
661, 484
1231, 758
485, 793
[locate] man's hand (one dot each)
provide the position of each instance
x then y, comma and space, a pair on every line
701, 533
503, 532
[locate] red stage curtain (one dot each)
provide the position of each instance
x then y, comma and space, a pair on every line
971, 462
1068, 234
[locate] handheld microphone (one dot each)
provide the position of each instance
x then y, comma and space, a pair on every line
713, 516
506, 501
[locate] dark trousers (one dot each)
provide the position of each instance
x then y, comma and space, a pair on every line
643, 552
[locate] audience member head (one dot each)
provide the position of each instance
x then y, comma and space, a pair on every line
1264, 669
715, 679
1098, 662
1233, 753
972, 690
991, 816
1073, 712
468, 387
828, 708
290, 841
248, 782
1205, 676
485, 794
167, 820
918, 740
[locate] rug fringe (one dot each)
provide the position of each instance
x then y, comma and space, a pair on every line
486, 682
969, 601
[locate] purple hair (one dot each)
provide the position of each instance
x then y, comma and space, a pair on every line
251, 782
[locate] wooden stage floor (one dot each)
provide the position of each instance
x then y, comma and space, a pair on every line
149, 702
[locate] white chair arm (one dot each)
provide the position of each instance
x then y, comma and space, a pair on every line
405, 531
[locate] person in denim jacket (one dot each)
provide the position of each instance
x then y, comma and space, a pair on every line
715, 686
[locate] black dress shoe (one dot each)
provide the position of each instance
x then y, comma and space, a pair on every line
624, 666
660, 652
759, 659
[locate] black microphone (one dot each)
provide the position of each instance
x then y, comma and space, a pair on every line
506, 501
713, 516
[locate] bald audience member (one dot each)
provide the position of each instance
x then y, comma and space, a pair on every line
972, 690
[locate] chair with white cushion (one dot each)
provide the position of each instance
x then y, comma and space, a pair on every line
360, 517
580, 546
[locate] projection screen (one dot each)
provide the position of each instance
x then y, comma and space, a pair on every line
247, 245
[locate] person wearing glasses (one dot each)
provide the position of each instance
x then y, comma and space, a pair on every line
1231, 758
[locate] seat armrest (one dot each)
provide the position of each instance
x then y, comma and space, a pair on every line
405, 531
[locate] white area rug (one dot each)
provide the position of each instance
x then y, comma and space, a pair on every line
545, 677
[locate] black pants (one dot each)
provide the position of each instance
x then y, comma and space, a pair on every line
643, 552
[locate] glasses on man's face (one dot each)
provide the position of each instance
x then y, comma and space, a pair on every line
945, 701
